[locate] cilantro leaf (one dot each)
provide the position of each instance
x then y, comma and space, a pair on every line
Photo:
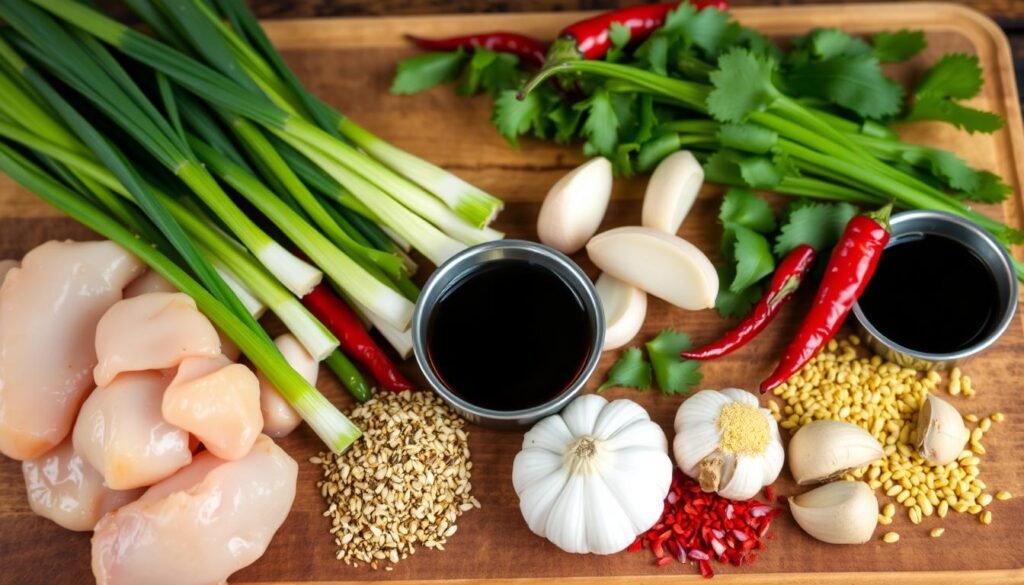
731, 304
760, 172
964, 118
653, 54
955, 75
619, 34
741, 207
470, 83
827, 43
855, 82
423, 72
754, 259
711, 30
894, 47
514, 117
723, 167
990, 189
631, 371
944, 165
565, 119
602, 124
502, 74
743, 84
674, 374
818, 225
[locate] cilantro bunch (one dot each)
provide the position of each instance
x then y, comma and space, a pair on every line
816, 120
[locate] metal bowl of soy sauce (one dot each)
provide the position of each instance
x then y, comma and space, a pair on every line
944, 290
508, 332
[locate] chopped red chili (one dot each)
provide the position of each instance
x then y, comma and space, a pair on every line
697, 527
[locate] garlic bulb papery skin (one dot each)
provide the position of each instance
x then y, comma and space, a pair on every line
842, 512
593, 477
941, 433
728, 443
825, 449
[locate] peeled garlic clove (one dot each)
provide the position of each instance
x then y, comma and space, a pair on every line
670, 194
842, 512
824, 449
941, 434
5, 267
625, 307
664, 265
575, 206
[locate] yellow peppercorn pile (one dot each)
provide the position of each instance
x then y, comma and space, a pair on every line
884, 399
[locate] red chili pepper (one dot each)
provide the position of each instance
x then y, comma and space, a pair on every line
788, 277
356, 343
849, 270
529, 49
589, 39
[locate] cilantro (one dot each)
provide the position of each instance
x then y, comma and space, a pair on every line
815, 224
827, 43
514, 117
631, 371
944, 165
855, 82
743, 84
894, 47
674, 374
730, 304
602, 125
740, 207
653, 54
954, 77
619, 34
491, 71
423, 72
753, 256
565, 119
760, 172
723, 167
990, 189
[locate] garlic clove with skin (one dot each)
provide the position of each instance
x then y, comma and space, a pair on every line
941, 433
842, 512
574, 207
824, 449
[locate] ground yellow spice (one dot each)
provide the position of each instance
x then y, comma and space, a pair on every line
744, 429
884, 399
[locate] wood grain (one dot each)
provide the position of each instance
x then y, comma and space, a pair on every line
349, 63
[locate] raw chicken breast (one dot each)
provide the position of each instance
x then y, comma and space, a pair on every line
218, 402
198, 527
49, 308
152, 332
63, 487
121, 432
5, 267
150, 282
279, 418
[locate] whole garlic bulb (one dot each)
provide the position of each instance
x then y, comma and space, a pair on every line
593, 477
728, 443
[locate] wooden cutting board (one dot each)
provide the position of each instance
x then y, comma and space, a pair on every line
350, 63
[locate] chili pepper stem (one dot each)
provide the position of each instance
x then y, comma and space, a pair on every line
881, 216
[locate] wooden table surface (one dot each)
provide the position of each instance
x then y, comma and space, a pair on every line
1008, 13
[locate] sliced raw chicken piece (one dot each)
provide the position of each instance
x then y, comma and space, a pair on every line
152, 332
49, 308
279, 418
63, 487
198, 527
5, 267
122, 433
150, 282
218, 402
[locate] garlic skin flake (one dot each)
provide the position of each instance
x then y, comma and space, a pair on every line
593, 477
941, 433
824, 449
842, 512
726, 441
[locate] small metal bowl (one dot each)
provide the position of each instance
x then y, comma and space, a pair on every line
452, 271
912, 224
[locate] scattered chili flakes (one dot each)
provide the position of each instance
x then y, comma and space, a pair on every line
697, 527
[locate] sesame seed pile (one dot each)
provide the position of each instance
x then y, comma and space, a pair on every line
402, 485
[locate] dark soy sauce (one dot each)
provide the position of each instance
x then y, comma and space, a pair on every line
509, 335
931, 294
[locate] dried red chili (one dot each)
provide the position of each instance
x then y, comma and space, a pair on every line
697, 526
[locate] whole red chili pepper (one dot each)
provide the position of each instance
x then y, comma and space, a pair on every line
788, 277
355, 342
589, 39
849, 270
529, 49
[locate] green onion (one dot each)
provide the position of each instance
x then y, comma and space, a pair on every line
328, 422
